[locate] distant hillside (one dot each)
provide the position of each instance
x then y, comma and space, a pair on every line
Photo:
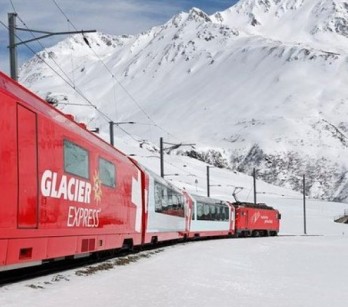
262, 84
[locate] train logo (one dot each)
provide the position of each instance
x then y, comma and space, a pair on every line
255, 217
64, 187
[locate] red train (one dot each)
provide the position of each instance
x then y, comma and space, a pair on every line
67, 193
256, 220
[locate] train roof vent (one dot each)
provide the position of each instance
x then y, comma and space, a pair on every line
70, 116
83, 125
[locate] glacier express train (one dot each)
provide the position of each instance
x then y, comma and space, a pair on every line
66, 193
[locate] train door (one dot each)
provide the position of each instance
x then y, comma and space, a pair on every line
27, 216
246, 219
242, 218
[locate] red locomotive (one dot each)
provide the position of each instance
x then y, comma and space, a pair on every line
66, 193
256, 220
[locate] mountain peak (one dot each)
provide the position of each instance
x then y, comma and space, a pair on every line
195, 15
198, 15
311, 22
270, 96
267, 5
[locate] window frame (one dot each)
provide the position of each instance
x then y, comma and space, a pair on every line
220, 210
83, 149
163, 200
107, 162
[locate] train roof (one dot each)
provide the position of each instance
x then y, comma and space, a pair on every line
155, 176
252, 205
207, 200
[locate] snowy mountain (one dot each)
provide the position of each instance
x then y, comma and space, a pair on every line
262, 84
318, 23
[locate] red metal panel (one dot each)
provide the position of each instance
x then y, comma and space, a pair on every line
241, 218
263, 219
3, 251
61, 246
26, 250
256, 218
212, 233
27, 168
8, 164
71, 208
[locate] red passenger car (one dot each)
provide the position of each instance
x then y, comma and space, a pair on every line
256, 220
164, 216
210, 217
63, 190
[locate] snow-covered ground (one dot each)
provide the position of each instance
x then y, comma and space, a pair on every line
290, 270
285, 271
201, 81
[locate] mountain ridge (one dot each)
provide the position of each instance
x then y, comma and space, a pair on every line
279, 106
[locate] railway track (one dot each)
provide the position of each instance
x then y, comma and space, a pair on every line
83, 266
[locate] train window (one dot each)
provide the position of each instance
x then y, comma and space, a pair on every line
107, 173
225, 213
76, 160
168, 201
212, 212
200, 212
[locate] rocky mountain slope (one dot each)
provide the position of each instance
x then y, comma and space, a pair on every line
260, 85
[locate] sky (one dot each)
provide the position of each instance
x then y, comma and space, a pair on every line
109, 16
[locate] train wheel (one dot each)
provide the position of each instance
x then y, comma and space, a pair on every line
256, 233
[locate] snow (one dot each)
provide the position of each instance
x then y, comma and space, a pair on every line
231, 87
219, 81
290, 270
284, 271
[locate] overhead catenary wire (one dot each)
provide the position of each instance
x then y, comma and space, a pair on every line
115, 78
71, 82
39, 43
53, 69
78, 91
67, 79
13, 7
42, 59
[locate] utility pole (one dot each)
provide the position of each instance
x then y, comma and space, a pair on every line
173, 146
254, 179
304, 205
12, 27
12, 47
161, 157
111, 129
208, 181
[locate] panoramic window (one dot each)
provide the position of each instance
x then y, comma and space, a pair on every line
199, 211
76, 160
168, 201
107, 173
212, 212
